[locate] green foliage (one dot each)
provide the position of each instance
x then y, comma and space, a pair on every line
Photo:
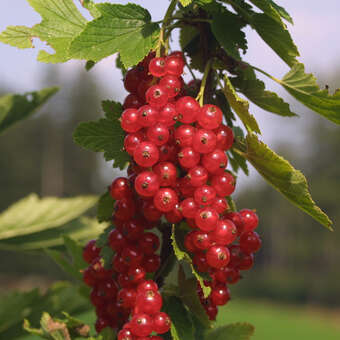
112, 109
105, 207
185, 2
176, 236
14, 107
283, 177
254, 89
129, 29
103, 135
240, 106
31, 214
61, 23
235, 331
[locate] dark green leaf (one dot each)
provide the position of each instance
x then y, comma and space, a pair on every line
112, 109
283, 13
14, 107
283, 177
237, 162
121, 28
254, 90
235, 331
75, 251
276, 36
103, 237
105, 207
89, 65
240, 106
226, 27
105, 136
181, 323
304, 88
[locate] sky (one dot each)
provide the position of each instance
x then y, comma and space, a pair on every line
315, 32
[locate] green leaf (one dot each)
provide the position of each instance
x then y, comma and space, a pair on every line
181, 323
91, 7
304, 88
235, 331
89, 65
226, 27
240, 106
82, 229
105, 207
14, 107
112, 109
17, 36
185, 2
238, 162
276, 36
61, 23
283, 13
182, 255
283, 177
76, 252
121, 28
105, 136
254, 90
31, 214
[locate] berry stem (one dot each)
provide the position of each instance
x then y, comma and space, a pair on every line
200, 96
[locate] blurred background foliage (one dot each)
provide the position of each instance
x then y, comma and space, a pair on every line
299, 261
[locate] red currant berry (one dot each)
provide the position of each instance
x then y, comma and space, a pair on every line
246, 261
215, 162
131, 140
250, 242
146, 154
157, 96
188, 243
206, 219
166, 173
167, 152
109, 288
178, 54
90, 251
157, 67
175, 215
147, 184
161, 323
188, 157
120, 188
211, 311
220, 204
100, 324
201, 240
172, 85
224, 233
132, 79
151, 213
189, 208
129, 120
187, 109
151, 263
225, 137
205, 195
132, 256
133, 229
165, 199
125, 334
209, 117
223, 184
141, 325
237, 220
217, 256
147, 115
158, 134
119, 265
143, 87
149, 302
132, 101
198, 176
147, 285
184, 135
220, 295
204, 141
200, 262
124, 209
136, 274
174, 65
89, 278
148, 243
97, 298
250, 219
168, 115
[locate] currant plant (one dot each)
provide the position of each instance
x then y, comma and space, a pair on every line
175, 240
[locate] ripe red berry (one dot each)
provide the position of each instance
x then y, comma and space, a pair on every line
172, 85
124, 209
188, 242
220, 295
157, 67
158, 134
246, 261
174, 65
131, 140
149, 302
250, 219
89, 278
188, 157
250, 242
206, 219
189, 207
90, 251
148, 243
129, 120
223, 184
215, 162
151, 213
157, 96
217, 256
224, 233
161, 323
146, 154
237, 220
125, 334
165, 199
166, 173
201, 240
198, 176
141, 325
136, 274
225, 137
117, 240
209, 116
132, 101
151, 263
187, 109
205, 195
100, 324
147, 184
167, 152
175, 215
227, 275
184, 135
127, 297
168, 115
133, 229
204, 141
132, 256
143, 86
211, 311
147, 115
147, 285
220, 204
132, 79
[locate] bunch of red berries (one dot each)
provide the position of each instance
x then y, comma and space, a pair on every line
178, 170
